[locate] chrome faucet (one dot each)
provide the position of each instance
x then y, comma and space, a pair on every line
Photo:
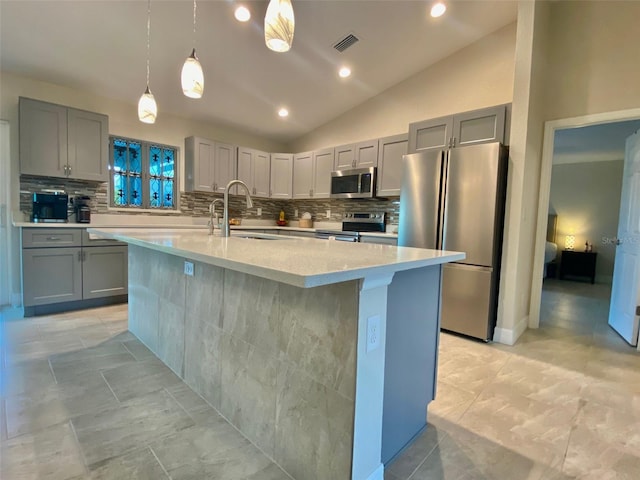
226, 231
213, 214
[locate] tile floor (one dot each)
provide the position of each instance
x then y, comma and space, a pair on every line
81, 398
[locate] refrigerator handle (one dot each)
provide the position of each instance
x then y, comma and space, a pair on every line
442, 228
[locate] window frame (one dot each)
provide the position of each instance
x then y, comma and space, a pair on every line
145, 176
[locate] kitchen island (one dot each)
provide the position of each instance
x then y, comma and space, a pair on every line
287, 337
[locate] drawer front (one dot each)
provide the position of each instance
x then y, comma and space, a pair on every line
98, 242
51, 237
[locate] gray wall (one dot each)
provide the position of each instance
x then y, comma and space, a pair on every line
586, 198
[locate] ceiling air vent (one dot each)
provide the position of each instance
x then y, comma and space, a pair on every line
346, 42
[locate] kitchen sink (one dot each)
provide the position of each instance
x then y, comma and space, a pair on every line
254, 236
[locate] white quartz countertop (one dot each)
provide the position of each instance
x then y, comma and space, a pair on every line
302, 262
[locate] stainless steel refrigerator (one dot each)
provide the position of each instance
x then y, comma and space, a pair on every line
454, 200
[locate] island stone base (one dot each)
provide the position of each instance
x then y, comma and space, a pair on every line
279, 362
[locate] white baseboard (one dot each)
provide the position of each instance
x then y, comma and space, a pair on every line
509, 336
16, 300
378, 474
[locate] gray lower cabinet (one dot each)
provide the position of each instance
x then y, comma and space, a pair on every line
51, 275
104, 272
61, 265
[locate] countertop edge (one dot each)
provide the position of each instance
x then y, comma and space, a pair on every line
297, 280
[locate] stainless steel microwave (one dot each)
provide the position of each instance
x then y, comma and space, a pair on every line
354, 183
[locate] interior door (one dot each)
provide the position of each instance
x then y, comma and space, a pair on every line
625, 292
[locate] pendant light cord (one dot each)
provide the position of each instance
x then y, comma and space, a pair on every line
194, 24
148, 37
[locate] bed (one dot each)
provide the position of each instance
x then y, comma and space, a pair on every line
550, 248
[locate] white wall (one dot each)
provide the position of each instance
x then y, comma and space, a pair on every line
123, 120
586, 198
478, 76
594, 62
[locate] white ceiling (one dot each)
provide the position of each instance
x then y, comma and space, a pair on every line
595, 143
100, 47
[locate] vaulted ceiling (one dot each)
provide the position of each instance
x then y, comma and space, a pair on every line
100, 47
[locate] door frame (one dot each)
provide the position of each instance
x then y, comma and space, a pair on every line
546, 165
6, 287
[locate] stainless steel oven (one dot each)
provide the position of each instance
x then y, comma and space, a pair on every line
352, 225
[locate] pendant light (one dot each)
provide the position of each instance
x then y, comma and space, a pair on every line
147, 107
192, 76
279, 24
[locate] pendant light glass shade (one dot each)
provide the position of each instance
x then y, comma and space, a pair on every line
147, 107
279, 24
192, 77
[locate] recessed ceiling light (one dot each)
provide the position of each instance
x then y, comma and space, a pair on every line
242, 14
344, 72
283, 112
438, 9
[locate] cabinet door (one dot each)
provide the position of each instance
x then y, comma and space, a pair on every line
367, 154
199, 172
323, 165
104, 272
43, 138
434, 134
479, 126
88, 147
281, 175
224, 165
345, 156
51, 275
261, 174
245, 167
390, 152
302, 175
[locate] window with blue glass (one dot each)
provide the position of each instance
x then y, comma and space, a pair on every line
143, 174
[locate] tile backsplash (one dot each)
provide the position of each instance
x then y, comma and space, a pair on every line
196, 204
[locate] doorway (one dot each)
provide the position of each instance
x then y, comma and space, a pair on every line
571, 304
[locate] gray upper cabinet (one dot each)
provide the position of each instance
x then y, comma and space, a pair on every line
356, 155
254, 169
312, 174
434, 134
58, 141
303, 175
281, 175
468, 128
479, 126
322, 166
88, 147
209, 165
390, 152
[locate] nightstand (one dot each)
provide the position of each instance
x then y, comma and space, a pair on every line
578, 264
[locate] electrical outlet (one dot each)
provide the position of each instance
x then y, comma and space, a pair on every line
188, 268
295, 213
328, 213
259, 211
373, 333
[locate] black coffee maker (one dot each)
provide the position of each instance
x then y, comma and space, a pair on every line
82, 209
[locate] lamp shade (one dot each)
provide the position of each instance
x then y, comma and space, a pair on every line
147, 107
569, 242
279, 24
192, 77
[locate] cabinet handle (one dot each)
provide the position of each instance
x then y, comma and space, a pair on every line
453, 142
53, 239
79, 256
69, 170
